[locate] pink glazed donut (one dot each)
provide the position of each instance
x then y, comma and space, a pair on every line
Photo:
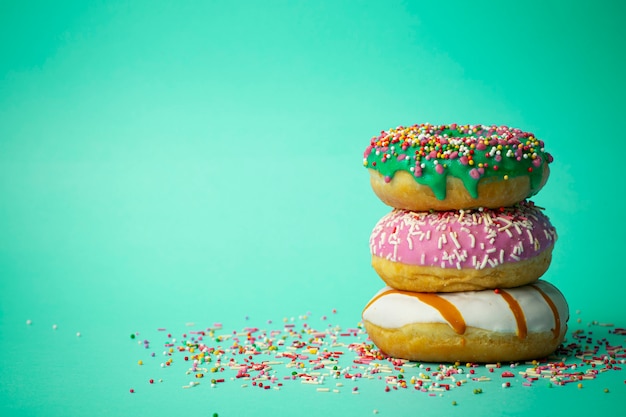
462, 250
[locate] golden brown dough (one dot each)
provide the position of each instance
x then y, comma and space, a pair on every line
436, 342
434, 279
404, 192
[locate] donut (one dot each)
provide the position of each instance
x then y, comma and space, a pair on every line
448, 167
462, 250
522, 323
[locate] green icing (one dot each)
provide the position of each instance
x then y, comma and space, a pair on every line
413, 144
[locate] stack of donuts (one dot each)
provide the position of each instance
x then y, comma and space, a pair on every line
463, 249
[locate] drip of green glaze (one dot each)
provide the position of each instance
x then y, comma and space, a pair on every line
410, 148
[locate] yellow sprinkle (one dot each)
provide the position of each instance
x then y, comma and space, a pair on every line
579, 386
140, 362
506, 177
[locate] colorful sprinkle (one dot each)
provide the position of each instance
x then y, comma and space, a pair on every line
451, 149
332, 359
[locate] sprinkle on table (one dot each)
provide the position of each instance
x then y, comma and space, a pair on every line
334, 359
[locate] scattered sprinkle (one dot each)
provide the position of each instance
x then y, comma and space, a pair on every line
332, 358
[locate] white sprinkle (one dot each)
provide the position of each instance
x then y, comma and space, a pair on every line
505, 227
29, 322
54, 327
548, 235
454, 240
484, 262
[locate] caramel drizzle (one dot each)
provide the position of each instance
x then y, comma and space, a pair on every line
557, 317
447, 310
518, 313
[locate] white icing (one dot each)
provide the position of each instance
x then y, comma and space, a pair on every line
482, 309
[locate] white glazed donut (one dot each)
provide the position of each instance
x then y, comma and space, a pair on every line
527, 322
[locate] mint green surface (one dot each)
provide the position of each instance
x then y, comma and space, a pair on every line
172, 162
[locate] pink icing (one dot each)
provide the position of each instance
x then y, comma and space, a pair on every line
463, 239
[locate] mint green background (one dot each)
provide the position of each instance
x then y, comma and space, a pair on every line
199, 162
